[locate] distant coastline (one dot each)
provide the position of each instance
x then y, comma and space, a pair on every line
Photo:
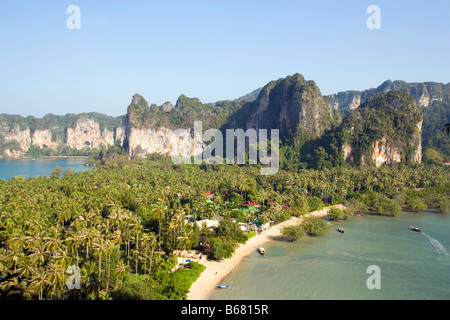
47, 157
40, 166
43, 157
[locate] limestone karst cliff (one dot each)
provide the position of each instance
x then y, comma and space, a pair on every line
385, 129
58, 135
145, 134
292, 104
424, 93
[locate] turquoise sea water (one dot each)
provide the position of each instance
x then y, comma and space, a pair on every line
413, 265
36, 167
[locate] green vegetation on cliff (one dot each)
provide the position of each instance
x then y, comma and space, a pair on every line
393, 116
435, 140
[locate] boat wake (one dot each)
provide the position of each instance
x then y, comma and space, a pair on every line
444, 256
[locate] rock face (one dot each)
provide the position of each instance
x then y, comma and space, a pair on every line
345, 101
167, 106
19, 141
384, 153
385, 129
144, 136
424, 93
69, 132
43, 139
86, 134
119, 135
142, 141
290, 104
348, 152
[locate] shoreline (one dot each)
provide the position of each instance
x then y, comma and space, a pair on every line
42, 157
216, 271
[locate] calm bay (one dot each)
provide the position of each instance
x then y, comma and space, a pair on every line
35, 167
413, 265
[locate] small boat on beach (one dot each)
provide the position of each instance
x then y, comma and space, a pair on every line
341, 230
416, 229
262, 251
223, 286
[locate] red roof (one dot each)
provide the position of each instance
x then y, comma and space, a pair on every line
251, 203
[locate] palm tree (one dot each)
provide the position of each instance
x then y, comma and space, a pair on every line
159, 212
152, 245
108, 249
38, 254
39, 283
87, 236
55, 275
63, 261
100, 247
184, 240
121, 270
26, 270
52, 244
74, 240
116, 238
137, 229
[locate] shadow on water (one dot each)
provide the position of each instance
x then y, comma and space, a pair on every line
282, 239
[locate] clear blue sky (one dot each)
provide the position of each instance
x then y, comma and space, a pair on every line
209, 49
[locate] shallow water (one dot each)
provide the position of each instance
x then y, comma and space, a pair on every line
412, 265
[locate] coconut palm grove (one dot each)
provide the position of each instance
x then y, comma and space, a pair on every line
120, 226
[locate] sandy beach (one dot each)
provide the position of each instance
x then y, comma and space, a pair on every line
215, 271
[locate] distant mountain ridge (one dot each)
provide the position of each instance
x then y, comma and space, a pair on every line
425, 93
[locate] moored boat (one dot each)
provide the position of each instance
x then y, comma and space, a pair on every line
341, 230
223, 286
262, 251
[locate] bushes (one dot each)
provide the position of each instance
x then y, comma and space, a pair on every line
184, 278
220, 250
220, 244
163, 286
416, 203
294, 232
237, 200
134, 291
238, 214
337, 213
354, 206
228, 229
313, 226
250, 234
315, 203
415, 200
443, 204
436, 198
381, 204
300, 206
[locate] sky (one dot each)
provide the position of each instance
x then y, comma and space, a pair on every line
209, 49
